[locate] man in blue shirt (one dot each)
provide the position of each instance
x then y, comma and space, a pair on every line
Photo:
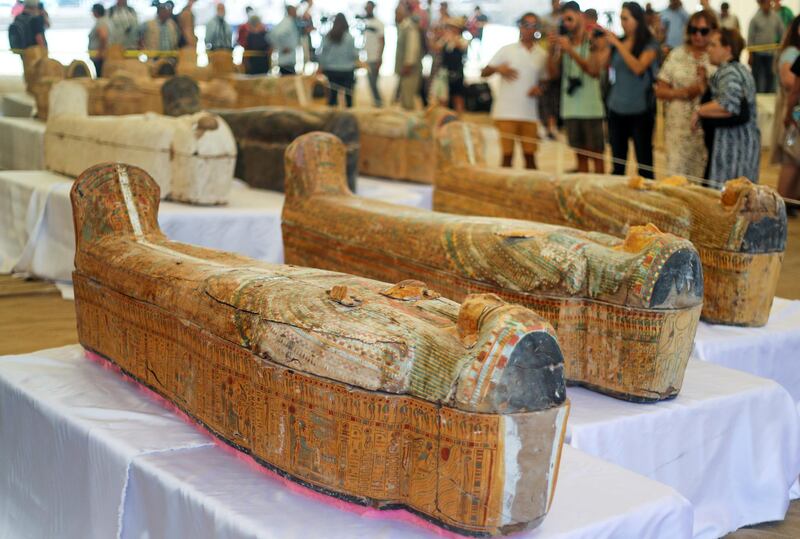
674, 20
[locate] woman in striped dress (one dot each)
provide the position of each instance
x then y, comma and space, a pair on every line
736, 148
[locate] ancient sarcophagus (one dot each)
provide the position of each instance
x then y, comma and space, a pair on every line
263, 134
398, 144
45, 72
378, 394
288, 91
625, 311
118, 60
193, 156
740, 232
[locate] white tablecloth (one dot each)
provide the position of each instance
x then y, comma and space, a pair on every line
729, 443
417, 195
772, 351
36, 230
87, 454
21, 144
18, 105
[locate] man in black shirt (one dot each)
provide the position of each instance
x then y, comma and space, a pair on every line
34, 24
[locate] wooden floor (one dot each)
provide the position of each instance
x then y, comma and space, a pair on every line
33, 317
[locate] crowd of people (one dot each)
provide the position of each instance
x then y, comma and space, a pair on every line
565, 69
606, 87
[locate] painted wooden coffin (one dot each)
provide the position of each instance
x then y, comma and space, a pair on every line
288, 91
399, 144
383, 395
740, 232
625, 311
125, 94
193, 156
46, 72
262, 135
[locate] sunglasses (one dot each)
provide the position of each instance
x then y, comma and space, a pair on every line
529, 25
701, 31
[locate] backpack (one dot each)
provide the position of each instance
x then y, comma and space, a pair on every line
19, 32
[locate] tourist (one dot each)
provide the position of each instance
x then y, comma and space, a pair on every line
161, 33
374, 43
550, 100
673, 20
784, 12
765, 28
451, 48
27, 29
681, 81
789, 179
476, 23
306, 26
258, 48
99, 38
219, 35
337, 60
286, 39
408, 57
575, 57
653, 20
727, 19
736, 148
186, 25
631, 98
124, 25
241, 32
522, 67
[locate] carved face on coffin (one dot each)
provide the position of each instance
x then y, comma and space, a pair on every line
180, 95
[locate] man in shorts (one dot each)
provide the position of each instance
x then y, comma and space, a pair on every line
522, 67
575, 57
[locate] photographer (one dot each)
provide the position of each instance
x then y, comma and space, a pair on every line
576, 57
631, 100
522, 67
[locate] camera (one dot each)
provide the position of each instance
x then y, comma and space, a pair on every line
573, 83
562, 29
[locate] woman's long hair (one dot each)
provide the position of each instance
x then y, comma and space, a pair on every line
642, 37
338, 29
791, 38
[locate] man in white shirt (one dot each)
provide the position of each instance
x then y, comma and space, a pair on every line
374, 43
522, 67
286, 38
408, 58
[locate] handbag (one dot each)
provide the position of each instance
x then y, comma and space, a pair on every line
791, 141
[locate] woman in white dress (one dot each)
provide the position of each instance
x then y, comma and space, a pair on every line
681, 82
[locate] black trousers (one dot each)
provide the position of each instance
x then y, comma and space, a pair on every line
98, 66
340, 80
639, 127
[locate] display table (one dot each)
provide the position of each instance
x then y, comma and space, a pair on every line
21, 144
772, 351
729, 443
417, 195
37, 238
18, 105
87, 453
